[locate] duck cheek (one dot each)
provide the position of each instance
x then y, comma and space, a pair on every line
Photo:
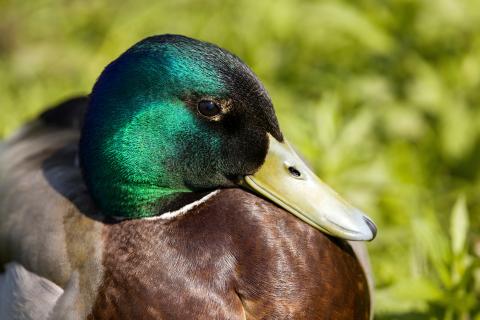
244, 154
201, 169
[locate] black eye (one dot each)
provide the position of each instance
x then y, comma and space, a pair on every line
208, 108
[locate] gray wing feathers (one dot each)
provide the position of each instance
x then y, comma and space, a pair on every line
360, 249
25, 295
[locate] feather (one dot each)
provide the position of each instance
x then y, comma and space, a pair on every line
25, 295
360, 249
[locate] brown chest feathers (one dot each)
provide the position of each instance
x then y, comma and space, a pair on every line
235, 256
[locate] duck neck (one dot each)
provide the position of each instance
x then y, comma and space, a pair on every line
140, 201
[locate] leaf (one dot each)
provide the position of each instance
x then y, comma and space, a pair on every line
459, 224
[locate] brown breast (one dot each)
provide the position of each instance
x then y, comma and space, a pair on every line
236, 256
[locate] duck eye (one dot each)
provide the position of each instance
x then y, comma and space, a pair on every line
208, 108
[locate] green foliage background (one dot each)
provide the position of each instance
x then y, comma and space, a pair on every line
381, 96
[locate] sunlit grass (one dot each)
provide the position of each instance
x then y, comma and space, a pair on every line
382, 97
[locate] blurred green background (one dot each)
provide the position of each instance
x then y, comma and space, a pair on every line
381, 96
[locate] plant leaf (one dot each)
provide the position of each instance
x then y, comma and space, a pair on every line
459, 223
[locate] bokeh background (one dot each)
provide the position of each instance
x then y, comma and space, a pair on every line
382, 97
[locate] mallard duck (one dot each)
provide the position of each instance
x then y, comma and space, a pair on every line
173, 195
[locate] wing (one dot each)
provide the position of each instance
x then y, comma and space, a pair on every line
25, 295
44, 206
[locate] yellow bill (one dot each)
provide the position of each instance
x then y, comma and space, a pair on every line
286, 180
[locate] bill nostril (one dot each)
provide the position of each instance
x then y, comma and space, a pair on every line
294, 172
371, 226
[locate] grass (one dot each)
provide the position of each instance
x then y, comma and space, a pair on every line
381, 96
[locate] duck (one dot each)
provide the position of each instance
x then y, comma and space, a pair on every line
170, 192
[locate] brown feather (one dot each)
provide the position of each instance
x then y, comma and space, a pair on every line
233, 252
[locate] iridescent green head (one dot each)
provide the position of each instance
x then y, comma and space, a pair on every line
170, 116
174, 117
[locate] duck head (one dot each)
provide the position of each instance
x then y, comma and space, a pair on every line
174, 116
